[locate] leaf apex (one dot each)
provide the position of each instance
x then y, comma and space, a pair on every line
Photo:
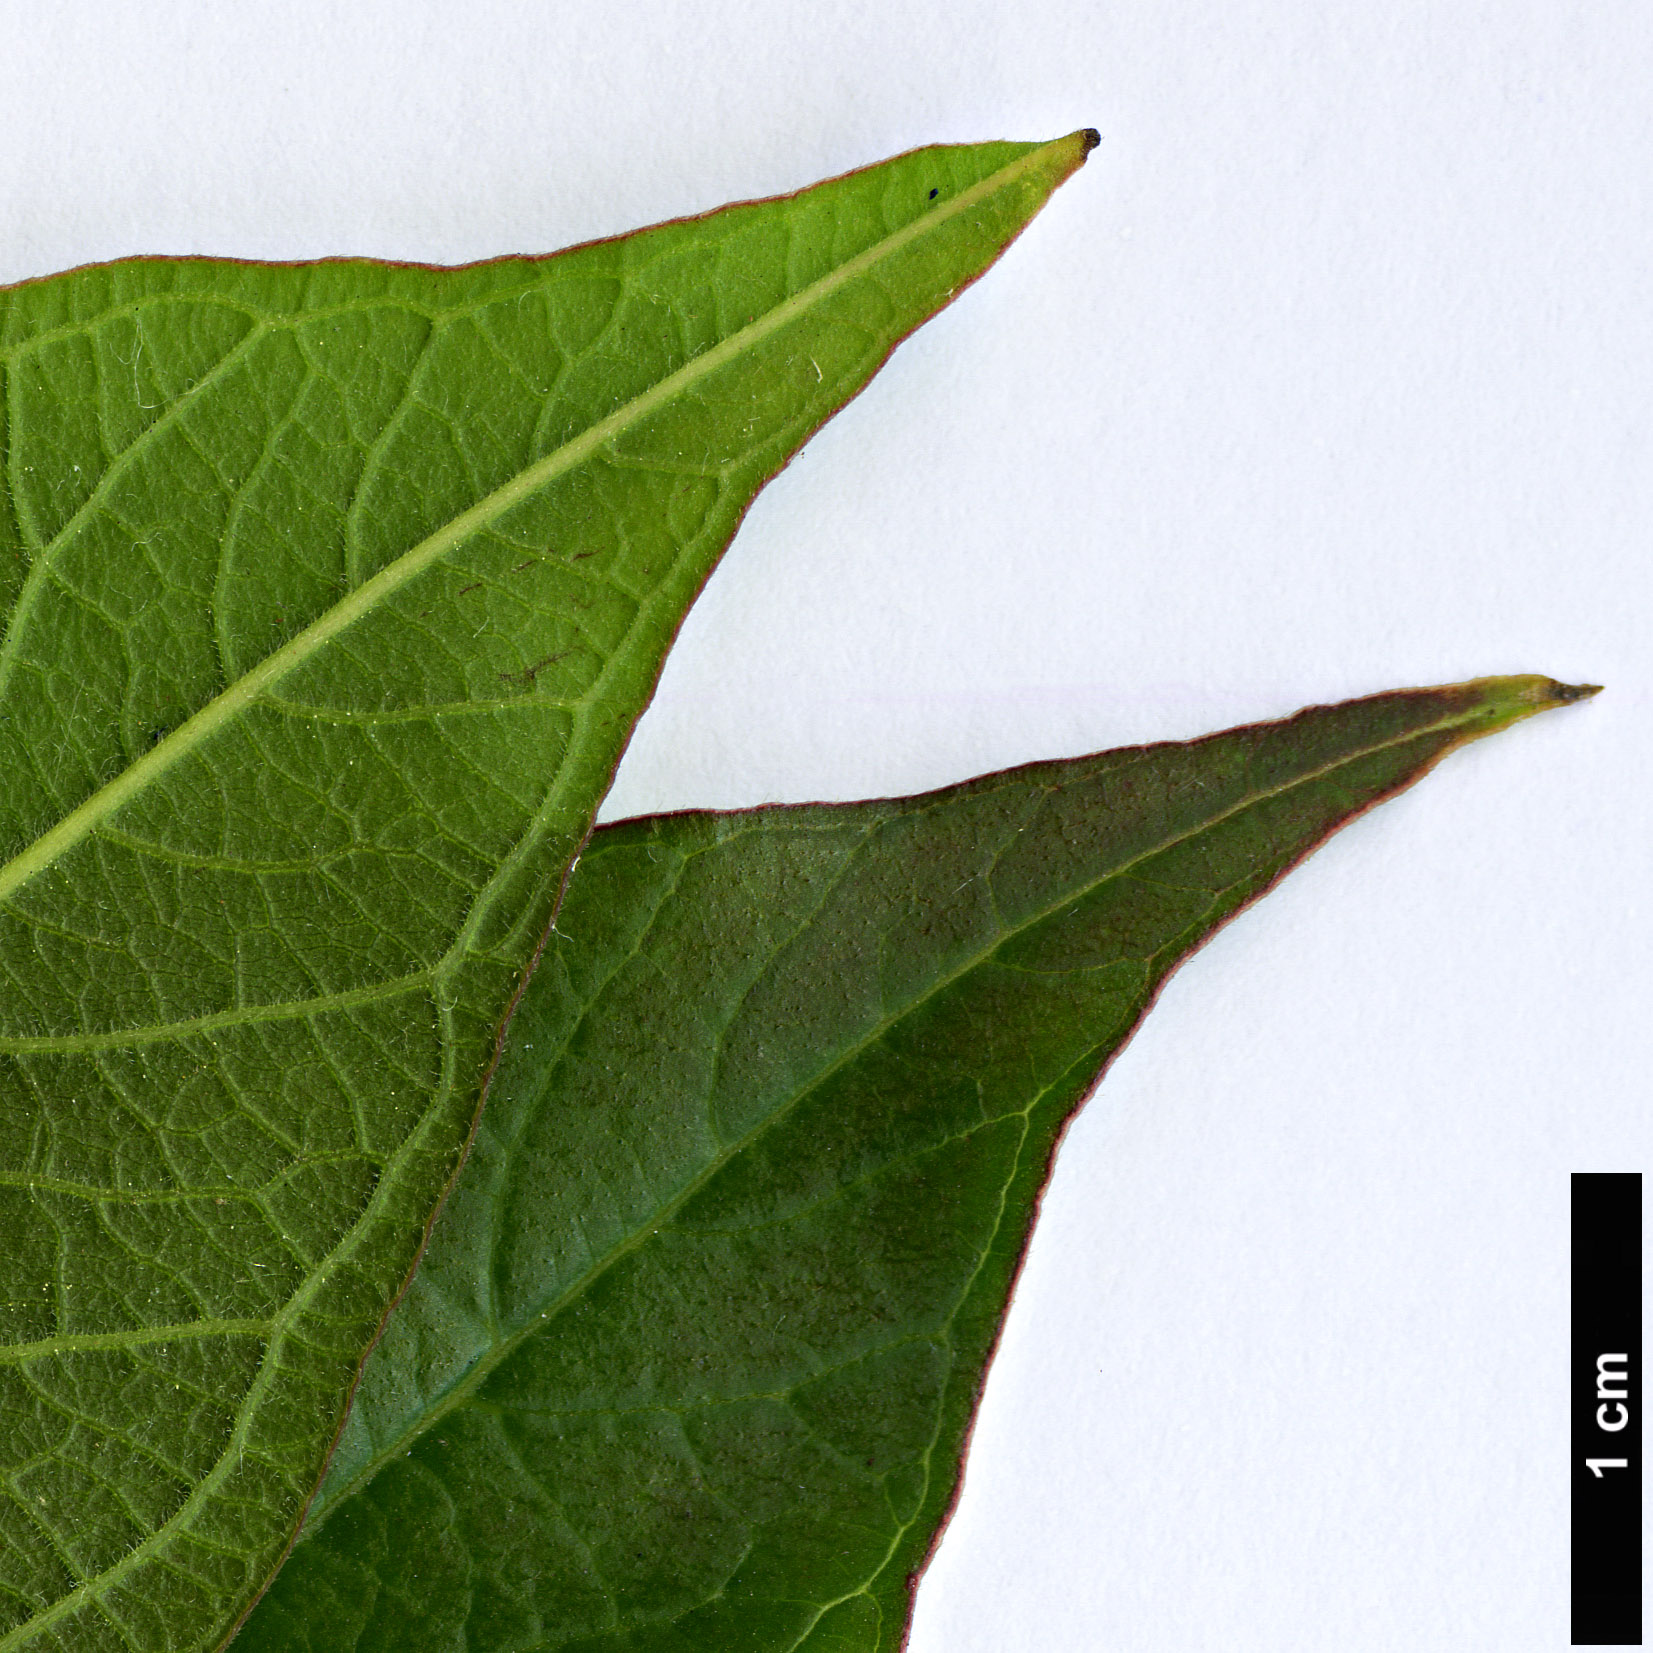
1564, 693
1071, 152
1502, 701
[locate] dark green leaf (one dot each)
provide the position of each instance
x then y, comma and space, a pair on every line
693, 1353
333, 591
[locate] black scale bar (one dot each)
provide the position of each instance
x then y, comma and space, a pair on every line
1607, 1409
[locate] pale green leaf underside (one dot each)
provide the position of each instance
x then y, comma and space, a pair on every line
690, 1361
333, 593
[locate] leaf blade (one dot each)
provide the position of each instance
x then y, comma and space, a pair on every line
888, 1010
287, 803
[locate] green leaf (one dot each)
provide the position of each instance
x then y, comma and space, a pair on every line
695, 1348
333, 592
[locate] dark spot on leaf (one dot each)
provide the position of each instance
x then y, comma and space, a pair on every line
529, 673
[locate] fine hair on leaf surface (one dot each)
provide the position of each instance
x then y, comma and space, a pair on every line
332, 592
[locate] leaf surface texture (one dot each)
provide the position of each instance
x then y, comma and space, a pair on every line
331, 594
692, 1357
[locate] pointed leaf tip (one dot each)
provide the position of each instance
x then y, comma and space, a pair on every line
1512, 698
1484, 705
1071, 152
1563, 694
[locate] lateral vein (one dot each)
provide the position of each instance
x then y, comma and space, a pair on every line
246, 1015
18, 1354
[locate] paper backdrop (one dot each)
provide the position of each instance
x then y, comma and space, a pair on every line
1328, 374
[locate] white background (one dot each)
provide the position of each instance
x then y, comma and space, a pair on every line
1328, 374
